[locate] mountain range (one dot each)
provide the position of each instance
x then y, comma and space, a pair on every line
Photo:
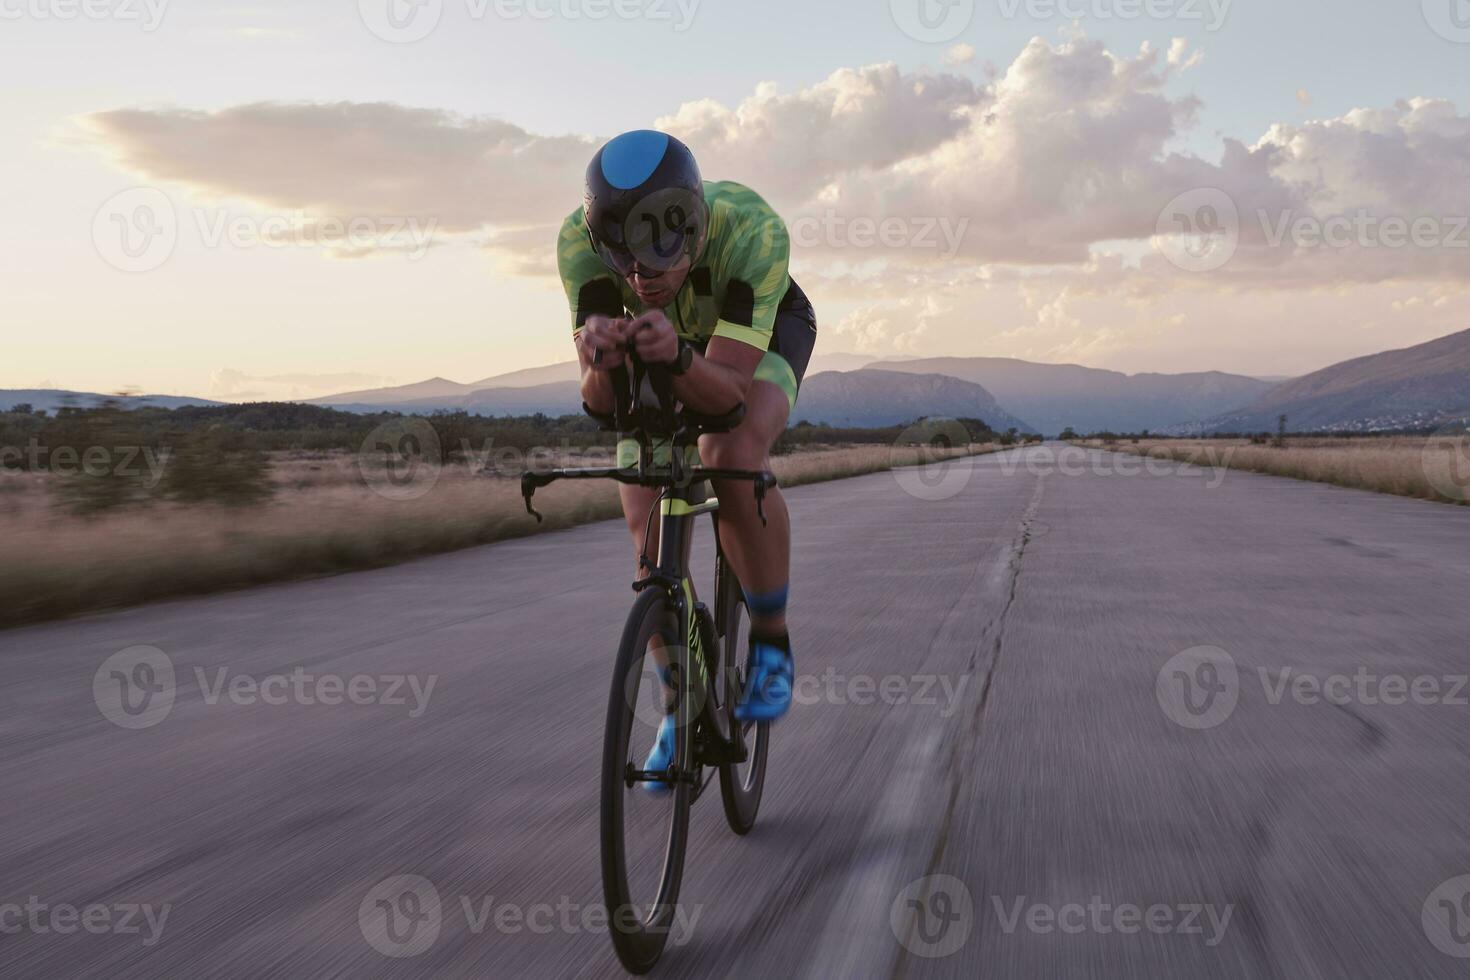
1055, 396
51, 399
1031, 397
1416, 387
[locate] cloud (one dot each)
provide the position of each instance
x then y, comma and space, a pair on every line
353, 160
1068, 151
861, 121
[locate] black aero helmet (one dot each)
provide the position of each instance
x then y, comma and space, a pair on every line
644, 204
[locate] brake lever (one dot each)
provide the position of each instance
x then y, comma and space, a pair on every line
528, 490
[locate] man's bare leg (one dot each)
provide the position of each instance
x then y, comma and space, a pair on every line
759, 553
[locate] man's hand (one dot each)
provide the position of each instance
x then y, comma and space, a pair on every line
603, 334
654, 338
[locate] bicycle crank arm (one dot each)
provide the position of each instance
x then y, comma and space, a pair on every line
661, 776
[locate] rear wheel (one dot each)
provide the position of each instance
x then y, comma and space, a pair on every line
741, 783
644, 833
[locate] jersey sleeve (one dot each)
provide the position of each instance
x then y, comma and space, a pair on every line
590, 288
755, 272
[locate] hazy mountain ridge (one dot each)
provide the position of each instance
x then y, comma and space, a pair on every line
1413, 387
51, 399
872, 397
1054, 396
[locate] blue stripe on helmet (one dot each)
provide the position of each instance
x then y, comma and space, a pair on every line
631, 158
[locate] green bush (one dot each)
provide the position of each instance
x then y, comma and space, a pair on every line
213, 467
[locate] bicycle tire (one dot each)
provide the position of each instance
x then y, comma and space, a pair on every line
640, 943
739, 792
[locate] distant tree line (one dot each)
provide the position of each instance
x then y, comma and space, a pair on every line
107, 455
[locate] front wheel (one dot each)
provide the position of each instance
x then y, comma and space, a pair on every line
644, 832
741, 783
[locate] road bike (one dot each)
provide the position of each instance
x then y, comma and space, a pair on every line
645, 814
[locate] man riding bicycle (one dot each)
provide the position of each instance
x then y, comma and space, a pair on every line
692, 275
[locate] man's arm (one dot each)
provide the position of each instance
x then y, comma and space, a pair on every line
715, 382
600, 333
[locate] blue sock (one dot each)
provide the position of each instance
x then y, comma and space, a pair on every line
766, 605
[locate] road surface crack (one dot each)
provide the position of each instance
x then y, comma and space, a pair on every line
990, 640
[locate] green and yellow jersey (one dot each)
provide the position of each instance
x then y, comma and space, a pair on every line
733, 290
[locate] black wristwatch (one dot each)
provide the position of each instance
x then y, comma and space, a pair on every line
681, 363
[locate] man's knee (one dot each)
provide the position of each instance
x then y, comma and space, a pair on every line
741, 449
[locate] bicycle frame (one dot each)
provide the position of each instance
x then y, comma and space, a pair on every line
684, 497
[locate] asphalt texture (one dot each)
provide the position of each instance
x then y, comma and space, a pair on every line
1076, 720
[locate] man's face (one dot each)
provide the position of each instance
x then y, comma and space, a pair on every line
656, 289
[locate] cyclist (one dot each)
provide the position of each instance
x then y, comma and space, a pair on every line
693, 275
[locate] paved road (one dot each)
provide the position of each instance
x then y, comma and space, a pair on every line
1090, 821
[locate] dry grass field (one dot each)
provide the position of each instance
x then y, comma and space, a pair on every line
323, 518
1431, 468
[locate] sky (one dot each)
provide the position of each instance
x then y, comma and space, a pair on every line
288, 198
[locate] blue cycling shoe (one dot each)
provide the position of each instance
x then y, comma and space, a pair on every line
661, 756
768, 681
662, 753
